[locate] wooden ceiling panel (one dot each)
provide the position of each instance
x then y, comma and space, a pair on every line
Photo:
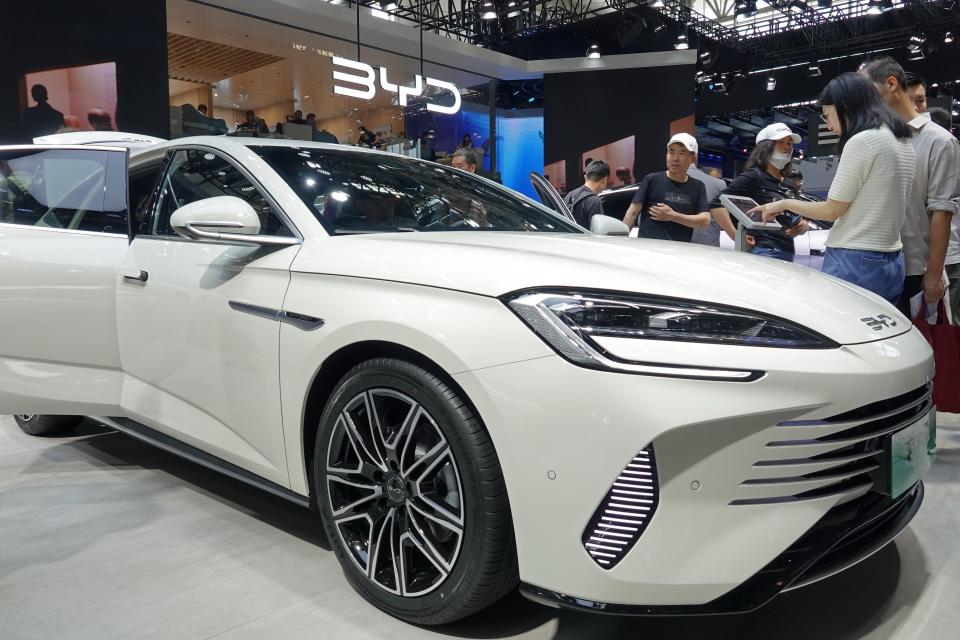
206, 62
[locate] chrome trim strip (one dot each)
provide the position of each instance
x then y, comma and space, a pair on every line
298, 320
14, 225
854, 423
254, 310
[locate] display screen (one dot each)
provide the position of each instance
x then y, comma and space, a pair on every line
70, 99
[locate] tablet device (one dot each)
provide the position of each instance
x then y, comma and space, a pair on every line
740, 205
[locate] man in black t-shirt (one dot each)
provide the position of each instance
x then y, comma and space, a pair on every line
585, 202
671, 204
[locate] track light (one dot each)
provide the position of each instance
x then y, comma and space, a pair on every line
593, 52
771, 83
874, 7
705, 56
918, 40
488, 15
948, 37
745, 8
658, 4
681, 42
915, 53
814, 70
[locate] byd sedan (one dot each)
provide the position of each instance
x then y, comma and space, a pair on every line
473, 391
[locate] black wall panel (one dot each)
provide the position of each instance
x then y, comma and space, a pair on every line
588, 109
49, 34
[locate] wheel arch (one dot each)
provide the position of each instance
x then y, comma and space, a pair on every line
337, 365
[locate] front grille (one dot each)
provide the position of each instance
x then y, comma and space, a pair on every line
625, 511
837, 456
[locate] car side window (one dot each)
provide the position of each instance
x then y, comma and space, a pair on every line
79, 190
195, 174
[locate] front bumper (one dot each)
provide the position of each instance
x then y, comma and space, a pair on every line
564, 433
847, 535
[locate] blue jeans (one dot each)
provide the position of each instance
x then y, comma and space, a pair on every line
771, 252
881, 272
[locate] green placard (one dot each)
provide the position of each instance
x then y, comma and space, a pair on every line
912, 451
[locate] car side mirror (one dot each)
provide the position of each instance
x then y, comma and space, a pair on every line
606, 226
224, 218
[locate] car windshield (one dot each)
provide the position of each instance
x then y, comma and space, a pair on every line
354, 192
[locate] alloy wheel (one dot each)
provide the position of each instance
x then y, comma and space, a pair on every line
394, 492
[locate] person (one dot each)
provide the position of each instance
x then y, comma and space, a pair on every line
202, 108
916, 91
763, 180
99, 119
671, 204
933, 196
715, 173
709, 236
296, 118
584, 202
253, 124
42, 119
466, 143
464, 159
798, 181
367, 137
869, 193
321, 135
941, 116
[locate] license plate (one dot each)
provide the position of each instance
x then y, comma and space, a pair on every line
912, 451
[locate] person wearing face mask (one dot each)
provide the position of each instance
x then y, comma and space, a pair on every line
868, 196
763, 181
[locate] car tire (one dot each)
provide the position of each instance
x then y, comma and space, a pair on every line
37, 425
418, 515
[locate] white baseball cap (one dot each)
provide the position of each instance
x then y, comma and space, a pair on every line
777, 131
686, 140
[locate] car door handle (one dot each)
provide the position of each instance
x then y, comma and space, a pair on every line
135, 274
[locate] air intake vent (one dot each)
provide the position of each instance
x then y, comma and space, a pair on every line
843, 455
625, 512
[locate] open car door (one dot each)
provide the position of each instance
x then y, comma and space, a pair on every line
549, 196
63, 235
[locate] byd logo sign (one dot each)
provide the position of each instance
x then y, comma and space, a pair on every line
367, 81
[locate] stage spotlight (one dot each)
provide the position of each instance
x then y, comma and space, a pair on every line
918, 40
915, 52
948, 37
593, 52
658, 4
745, 8
874, 7
814, 70
771, 83
488, 12
681, 42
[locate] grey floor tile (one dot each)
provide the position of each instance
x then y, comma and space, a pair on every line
104, 537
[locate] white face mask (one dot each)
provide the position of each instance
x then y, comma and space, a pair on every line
780, 160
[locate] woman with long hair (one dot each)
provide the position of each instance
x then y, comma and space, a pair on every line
869, 193
763, 180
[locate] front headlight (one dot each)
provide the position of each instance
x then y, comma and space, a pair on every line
568, 321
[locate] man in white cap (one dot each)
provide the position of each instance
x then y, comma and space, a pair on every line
671, 204
763, 180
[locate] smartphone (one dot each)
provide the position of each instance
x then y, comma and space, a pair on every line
788, 219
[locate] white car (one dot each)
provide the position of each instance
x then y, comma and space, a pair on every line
617, 425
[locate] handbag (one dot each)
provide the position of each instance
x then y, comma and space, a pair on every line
945, 340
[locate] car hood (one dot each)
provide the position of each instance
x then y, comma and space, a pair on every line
495, 263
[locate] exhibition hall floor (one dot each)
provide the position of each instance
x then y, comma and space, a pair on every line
104, 537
